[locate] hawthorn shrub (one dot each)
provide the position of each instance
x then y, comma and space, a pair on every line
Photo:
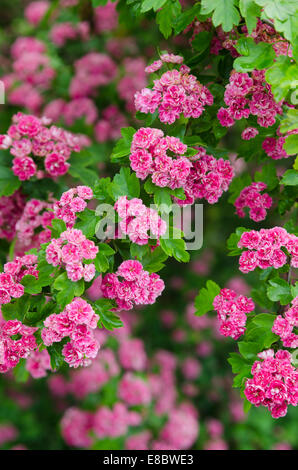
115, 114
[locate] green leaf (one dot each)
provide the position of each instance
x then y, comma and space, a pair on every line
290, 122
125, 184
85, 175
162, 198
108, 319
240, 367
282, 76
233, 240
248, 350
291, 144
264, 320
224, 13
58, 226
250, 11
9, 183
259, 296
122, 147
279, 291
278, 9
87, 221
290, 178
187, 17
268, 175
67, 289
101, 262
166, 16
204, 301
154, 260
175, 247
102, 189
254, 56
152, 4
55, 352
238, 183
246, 405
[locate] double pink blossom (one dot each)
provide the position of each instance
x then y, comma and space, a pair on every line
257, 203
176, 93
231, 311
76, 322
264, 249
137, 220
274, 383
137, 286
70, 251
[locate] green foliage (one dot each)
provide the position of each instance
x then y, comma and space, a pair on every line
224, 13
279, 291
290, 178
204, 301
67, 289
282, 76
250, 11
125, 183
166, 16
107, 318
9, 183
254, 56
123, 145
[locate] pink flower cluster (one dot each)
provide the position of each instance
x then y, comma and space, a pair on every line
208, 178
201, 176
62, 32
249, 133
257, 203
71, 202
32, 73
273, 146
134, 79
149, 157
35, 11
14, 271
184, 420
69, 251
176, 93
134, 390
264, 249
105, 423
51, 147
38, 363
106, 17
231, 311
91, 71
137, 287
283, 326
137, 220
245, 95
154, 393
32, 227
77, 322
11, 209
274, 383
109, 126
12, 350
